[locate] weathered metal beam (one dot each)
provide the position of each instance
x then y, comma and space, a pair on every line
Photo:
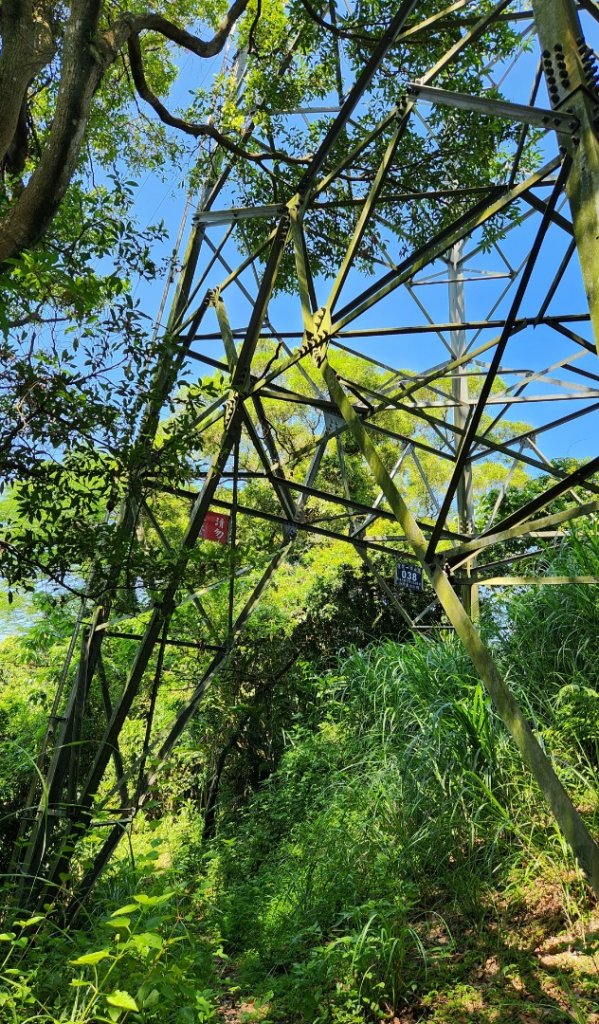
535, 116
570, 67
522, 529
536, 581
477, 413
566, 815
467, 223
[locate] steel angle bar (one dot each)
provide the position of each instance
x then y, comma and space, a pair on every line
478, 29
234, 274
532, 444
420, 413
189, 323
535, 116
551, 396
536, 581
468, 438
225, 330
427, 23
558, 277
267, 451
410, 288
489, 539
524, 130
216, 364
557, 323
566, 815
426, 481
455, 232
425, 611
273, 465
490, 446
503, 490
365, 214
389, 401
372, 515
196, 645
591, 6
386, 432
396, 198
355, 507
545, 427
308, 179
556, 217
408, 329
170, 551
233, 541
577, 477
386, 589
305, 283
582, 373
302, 526
116, 753
571, 85
164, 608
378, 55
236, 213
319, 531
523, 556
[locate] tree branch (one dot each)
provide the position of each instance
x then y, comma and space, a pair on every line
196, 130
27, 47
86, 55
82, 70
341, 33
133, 24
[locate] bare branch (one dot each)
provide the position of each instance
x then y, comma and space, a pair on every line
196, 130
133, 24
336, 30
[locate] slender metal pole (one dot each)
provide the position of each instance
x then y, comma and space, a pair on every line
460, 393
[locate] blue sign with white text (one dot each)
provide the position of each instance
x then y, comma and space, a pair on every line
407, 575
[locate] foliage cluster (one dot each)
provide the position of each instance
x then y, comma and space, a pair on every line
373, 868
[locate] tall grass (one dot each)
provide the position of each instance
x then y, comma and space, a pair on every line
370, 860
380, 829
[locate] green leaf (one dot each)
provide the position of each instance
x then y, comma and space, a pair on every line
152, 999
152, 901
31, 921
7, 936
119, 922
150, 939
122, 1000
129, 908
91, 958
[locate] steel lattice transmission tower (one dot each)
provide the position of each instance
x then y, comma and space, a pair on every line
454, 378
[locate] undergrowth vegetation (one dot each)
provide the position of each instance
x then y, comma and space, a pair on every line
398, 863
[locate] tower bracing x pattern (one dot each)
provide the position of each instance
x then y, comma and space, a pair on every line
423, 290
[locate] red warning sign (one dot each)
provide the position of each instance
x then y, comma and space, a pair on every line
215, 527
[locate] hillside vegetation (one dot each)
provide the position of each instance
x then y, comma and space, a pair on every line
397, 864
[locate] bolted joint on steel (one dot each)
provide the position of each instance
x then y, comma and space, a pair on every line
230, 408
319, 317
319, 353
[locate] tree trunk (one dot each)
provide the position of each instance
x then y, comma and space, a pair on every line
83, 65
